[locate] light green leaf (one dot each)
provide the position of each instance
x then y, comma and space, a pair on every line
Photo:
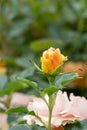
37, 45
50, 90
3, 81
58, 70
15, 85
25, 61
63, 79
3, 92
30, 83
24, 74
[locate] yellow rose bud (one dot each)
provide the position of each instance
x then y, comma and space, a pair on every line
51, 60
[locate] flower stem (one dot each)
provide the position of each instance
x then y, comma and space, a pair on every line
41, 121
50, 112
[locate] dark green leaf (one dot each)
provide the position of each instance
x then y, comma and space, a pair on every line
22, 122
12, 118
20, 127
20, 110
2, 110
36, 127
17, 109
77, 126
25, 127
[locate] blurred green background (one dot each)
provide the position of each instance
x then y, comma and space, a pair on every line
28, 27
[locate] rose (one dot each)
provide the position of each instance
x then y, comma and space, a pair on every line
20, 99
64, 110
3, 122
51, 60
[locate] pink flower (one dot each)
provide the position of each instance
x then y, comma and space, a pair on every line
20, 99
3, 122
64, 110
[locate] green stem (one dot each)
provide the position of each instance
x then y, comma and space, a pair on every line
42, 122
8, 102
50, 112
51, 80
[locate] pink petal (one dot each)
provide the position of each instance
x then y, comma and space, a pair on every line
19, 99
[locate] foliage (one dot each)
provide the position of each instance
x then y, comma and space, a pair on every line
27, 27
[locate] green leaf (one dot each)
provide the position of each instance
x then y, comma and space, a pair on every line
25, 127
2, 110
58, 70
20, 110
20, 127
30, 83
17, 109
15, 85
12, 118
36, 66
25, 61
22, 122
37, 127
50, 90
24, 74
63, 79
77, 126
3, 92
37, 45
3, 81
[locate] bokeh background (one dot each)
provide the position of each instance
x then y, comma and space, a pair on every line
28, 27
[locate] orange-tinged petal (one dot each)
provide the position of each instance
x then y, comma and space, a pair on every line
3, 69
51, 60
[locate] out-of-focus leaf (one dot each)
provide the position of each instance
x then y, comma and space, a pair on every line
3, 81
4, 92
25, 127
37, 127
2, 110
15, 85
25, 61
5, 20
20, 127
23, 110
12, 118
17, 109
30, 83
78, 126
63, 79
44, 43
24, 74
